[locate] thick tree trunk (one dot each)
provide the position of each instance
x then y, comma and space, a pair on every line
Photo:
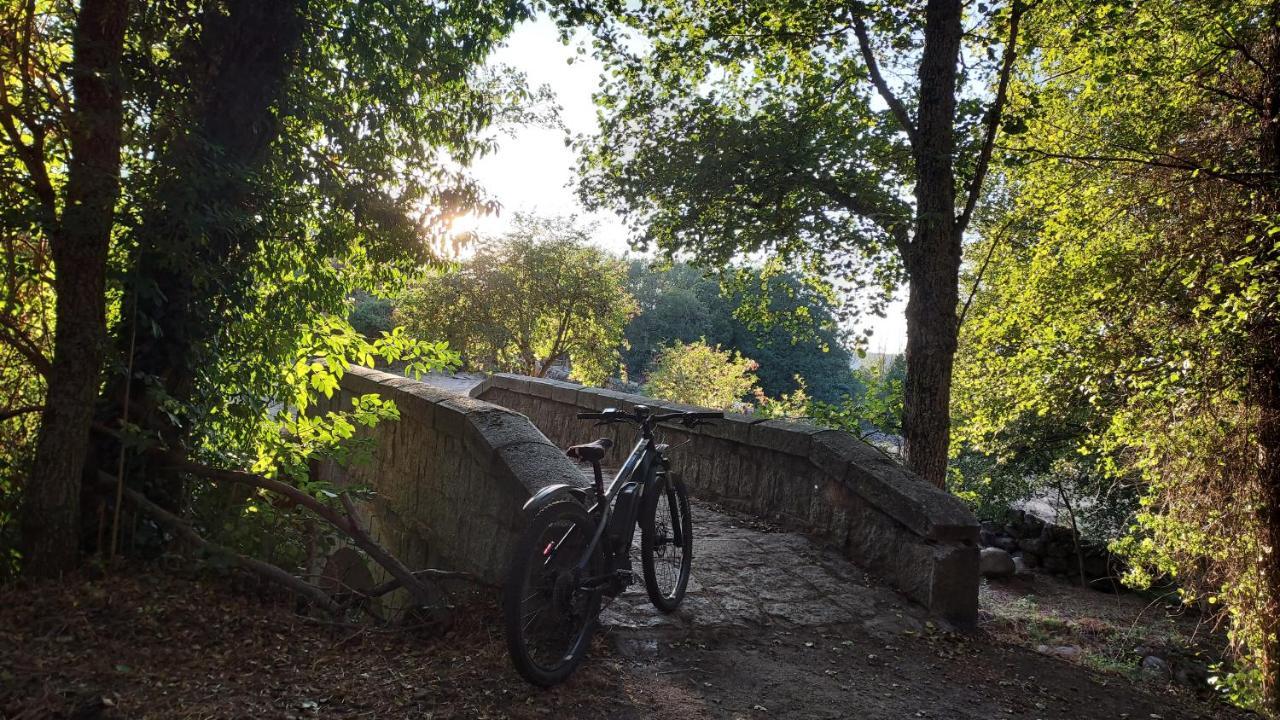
200, 235
51, 505
933, 259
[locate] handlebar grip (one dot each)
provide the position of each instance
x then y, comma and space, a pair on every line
590, 416
705, 415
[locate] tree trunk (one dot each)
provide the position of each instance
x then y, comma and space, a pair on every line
51, 506
203, 223
933, 258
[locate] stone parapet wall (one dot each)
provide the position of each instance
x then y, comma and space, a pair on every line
449, 478
830, 484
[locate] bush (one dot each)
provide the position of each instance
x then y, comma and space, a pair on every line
700, 374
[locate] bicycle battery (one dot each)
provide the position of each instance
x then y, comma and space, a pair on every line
622, 524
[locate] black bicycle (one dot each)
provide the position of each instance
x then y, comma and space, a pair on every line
576, 549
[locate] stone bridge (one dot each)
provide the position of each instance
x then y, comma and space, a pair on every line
451, 475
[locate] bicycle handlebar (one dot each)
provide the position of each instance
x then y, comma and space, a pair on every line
613, 415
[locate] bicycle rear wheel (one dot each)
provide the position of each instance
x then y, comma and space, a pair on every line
549, 617
666, 542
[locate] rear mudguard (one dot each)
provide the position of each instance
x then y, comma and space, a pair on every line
552, 493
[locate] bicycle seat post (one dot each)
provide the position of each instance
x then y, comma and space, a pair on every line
599, 478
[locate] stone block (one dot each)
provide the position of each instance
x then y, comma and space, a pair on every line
929, 512
735, 427
785, 436
536, 465
567, 393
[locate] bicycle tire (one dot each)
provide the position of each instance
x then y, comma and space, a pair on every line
666, 573
553, 584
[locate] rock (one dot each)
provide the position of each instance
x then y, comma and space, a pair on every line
1032, 545
991, 526
986, 538
1067, 652
1031, 560
1059, 534
1096, 566
1006, 543
1033, 525
995, 563
1055, 565
1059, 549
1191, 674
1020, 567
1157, 666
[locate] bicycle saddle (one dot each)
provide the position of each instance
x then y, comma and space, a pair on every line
590, 452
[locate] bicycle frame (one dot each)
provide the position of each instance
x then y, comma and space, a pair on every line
644, 450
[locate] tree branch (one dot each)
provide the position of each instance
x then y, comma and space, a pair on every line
349, 523
265, 570
992, 119
1245, 179
388, 561
177, 462
20, 410
14, 337
896, 224
393, 583
873, 70
977, 282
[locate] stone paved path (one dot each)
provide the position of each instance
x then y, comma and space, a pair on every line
746, 576
776, 626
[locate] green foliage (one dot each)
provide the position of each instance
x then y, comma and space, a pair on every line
700, 374
537, 297
279, 158
798, 348
1129, 309
734, 129
315, 422
328, 210
370, 315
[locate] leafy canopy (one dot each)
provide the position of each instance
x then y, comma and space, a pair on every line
753, 129
537, 297
682, 303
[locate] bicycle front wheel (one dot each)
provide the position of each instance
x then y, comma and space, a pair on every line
549, 617
666, 542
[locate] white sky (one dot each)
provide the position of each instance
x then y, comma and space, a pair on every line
533, 171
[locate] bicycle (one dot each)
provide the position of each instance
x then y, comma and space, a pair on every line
576, 548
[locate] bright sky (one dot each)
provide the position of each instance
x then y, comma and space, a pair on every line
533, 171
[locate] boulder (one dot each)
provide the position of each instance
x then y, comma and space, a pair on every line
1021, 569
1056, 565
1059, 549
1096, 566
1155, 666
1006, 543
996, 563
1032, 545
